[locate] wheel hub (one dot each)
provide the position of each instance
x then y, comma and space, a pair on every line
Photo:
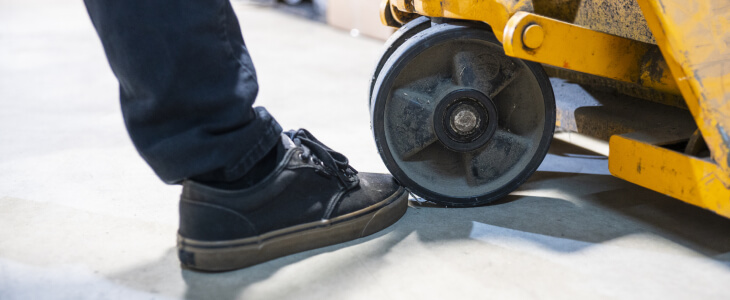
465, 120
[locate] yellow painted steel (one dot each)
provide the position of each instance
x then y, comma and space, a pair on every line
581, 49
496, 13
386, 14
609, 16
694, 37
618, 17
566, 45
690, 179
391, 16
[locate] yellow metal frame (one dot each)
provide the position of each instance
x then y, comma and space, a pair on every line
693, 37
691, 57
690, 179
598, 53
496, 13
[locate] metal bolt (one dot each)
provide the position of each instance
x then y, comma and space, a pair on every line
464, 119
533, 36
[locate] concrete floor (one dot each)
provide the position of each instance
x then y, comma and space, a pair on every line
83, 217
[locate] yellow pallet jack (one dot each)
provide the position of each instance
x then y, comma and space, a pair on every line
463, 99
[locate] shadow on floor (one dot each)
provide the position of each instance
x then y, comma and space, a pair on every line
576, 210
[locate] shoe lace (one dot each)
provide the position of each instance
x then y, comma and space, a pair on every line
334, 163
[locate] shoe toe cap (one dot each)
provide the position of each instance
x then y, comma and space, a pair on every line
373, 189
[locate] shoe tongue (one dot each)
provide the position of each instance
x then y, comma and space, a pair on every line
286, 143
283, 146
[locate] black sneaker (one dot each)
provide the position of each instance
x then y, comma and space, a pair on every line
312, 199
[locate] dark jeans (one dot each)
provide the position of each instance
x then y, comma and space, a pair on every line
187, 86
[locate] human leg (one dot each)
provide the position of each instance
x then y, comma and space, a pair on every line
187, 85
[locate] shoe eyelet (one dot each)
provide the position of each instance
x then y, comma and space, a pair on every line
304, 158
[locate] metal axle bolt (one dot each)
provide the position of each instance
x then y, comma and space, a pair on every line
464, 119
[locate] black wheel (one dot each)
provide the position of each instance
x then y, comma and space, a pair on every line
456, 120
399, 37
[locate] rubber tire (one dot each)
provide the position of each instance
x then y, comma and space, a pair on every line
390, 70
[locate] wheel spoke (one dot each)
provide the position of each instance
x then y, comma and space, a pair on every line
483, 70
503, 153
410, 116
506, 77
442, 163
475, 69
517, 110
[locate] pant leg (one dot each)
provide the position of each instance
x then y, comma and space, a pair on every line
187, 85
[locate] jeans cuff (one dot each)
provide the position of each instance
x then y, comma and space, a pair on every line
269, 135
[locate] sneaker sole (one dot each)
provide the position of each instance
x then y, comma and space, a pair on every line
219, 256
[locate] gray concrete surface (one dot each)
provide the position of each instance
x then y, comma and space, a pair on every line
83, 217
